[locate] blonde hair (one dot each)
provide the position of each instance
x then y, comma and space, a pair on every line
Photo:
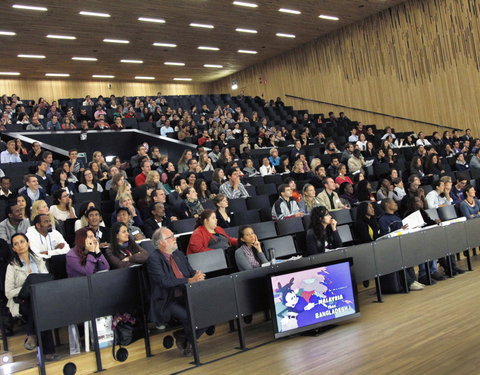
314, 163
298, 165
122, 196
151, 176
34, 211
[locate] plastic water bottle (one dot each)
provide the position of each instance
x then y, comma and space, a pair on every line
271, 253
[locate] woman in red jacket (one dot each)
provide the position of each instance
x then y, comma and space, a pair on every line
208, 236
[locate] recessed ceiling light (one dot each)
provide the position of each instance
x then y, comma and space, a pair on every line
9, 73
154, 20
94, 14
84, 58
182, 79
209, 48
212, 66
116, 41
247, 51
158, 44
29, 7
174, 63
331, 18
202, 25
51, 36
291, 11
144, 77
31, 56
245, 4
10, 33
132, 61
283, 35
57, 74
250, 31
102, 76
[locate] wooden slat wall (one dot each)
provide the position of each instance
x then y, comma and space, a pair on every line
419, 60
56, 89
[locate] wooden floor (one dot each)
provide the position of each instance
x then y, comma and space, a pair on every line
435, 331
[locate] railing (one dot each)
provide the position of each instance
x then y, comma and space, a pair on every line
372, 112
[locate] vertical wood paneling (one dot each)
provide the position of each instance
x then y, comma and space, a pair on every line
57, 89
418, 60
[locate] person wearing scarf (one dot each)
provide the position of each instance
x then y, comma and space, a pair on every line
249, 255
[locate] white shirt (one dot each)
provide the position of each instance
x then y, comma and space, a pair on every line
353, 138
266, 170
423, 142
434, 200
59, 214
40, 243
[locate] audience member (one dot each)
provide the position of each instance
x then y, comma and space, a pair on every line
322, 233
249, 255
123, 250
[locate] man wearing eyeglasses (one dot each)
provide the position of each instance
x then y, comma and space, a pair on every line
457, 190
169, 271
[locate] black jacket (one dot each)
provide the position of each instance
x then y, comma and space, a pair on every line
150, 226
315, 246
163, 283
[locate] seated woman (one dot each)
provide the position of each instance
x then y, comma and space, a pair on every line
123, 250
266, 169
24, 263
366, 225
126, 201
223, 216
89, 183
62, 208
322, 233
385, 190
470, 207
191, 206
342, 175
249, 255
123, 215
118, 186
347, 193
309, 200
208, 236
85, 258
249, 169
202, 190
41, 207
60, 179
82, 220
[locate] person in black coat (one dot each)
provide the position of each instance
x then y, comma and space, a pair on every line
158, 219
322, 233
168, 271
366, 225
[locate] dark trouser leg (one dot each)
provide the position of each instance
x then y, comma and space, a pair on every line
179, 311
47, 337
410, 275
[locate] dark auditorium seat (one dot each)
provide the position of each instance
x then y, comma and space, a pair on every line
284, 246
290, 226
245, 217
208, 261
447, 213
182, 226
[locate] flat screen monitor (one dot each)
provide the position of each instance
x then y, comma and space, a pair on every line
311, 297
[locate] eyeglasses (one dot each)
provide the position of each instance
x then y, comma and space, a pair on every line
169, 237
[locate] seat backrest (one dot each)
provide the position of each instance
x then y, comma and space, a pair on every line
266, 189
447, 213
258, 201
182, 226
342, 216
238, 204
432, 213
345, 233
246, 217
284, 246
265, 230
208, 261
290, 226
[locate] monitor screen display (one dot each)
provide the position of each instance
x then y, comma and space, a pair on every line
312, 297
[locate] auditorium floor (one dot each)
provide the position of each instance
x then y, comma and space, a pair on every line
435, 331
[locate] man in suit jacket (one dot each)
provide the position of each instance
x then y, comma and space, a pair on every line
94, 218
158, 219
329, 197
168, 271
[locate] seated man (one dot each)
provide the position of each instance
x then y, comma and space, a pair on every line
168, 271
233, 188
32, 189
285, 207
10, 155
14, 223
158, 219
146, 167
45, 241
5, 184
94, 219
328, 197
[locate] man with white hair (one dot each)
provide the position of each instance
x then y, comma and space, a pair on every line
168, 271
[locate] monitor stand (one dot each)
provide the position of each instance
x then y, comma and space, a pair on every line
318, 331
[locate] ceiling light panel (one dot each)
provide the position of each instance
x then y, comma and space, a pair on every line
9, 73
94, 14
249, 31
330, 18
68, 37
202, 25
182, 79
8, 33
213, 66
245, 4
131, 61
159, 44
29, 7
76, 58
57, 75
289, 11
174, 63
205, 48
144, 77
283, 35
247, 51
102, 76
31, 56
153, 20
120, 41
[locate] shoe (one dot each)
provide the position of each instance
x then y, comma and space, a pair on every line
160, 327
458, 271
188, 352
30, 343
437, 276
366, 283
416, 286
51, 357
180, 340
424, 280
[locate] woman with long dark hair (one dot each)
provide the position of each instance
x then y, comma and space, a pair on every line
123, 250
249, 255
366, 225
85, 258
25, 262
322, 233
